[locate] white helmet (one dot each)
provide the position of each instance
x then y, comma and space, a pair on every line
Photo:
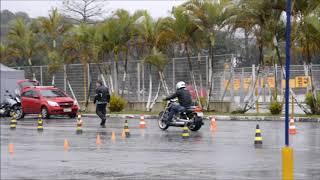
180, 85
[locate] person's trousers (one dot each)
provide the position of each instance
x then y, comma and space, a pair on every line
101, 112
174, 110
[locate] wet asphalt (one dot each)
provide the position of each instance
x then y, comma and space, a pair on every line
226, 153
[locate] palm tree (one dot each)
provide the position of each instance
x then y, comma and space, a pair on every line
128, 25
80, 42
3, 52
209, 16
154, 37
307, 36
116, 33
182, 29
158, 60
53, 29
22, 42
260, 19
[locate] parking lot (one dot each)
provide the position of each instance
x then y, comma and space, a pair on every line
226, 153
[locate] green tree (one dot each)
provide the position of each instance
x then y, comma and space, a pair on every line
128, 25
158, 60
80, 44
182, 29
154, 37
209, 17
307, 36
23, 43
52, 31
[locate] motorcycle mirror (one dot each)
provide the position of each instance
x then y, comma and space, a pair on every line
17, 92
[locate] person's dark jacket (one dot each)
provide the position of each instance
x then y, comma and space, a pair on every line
184, 97
102, 95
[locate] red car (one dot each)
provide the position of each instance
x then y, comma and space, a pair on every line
47, 100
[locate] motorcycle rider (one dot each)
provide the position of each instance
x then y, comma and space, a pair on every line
184, 99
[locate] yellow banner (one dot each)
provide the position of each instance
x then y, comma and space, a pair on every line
302, 81
236, 84
246, 83
292, 83
270, 81
297, 82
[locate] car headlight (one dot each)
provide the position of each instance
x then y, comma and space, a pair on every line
51, 103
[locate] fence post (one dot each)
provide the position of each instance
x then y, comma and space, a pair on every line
173, 73
257, 93
143, 86
138, 76
253, 80
264, 85
65, 78
222, 84
231, 83
88, 81
210, 71
207, 72
41, 76
242, 86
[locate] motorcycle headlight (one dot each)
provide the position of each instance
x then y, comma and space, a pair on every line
51, 103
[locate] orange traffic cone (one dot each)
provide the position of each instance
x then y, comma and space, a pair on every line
123, 134
113, 136
66, 145
213, 124
142, 122
11, 148
98, 140
292, 127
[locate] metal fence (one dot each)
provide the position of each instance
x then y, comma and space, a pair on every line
229, 84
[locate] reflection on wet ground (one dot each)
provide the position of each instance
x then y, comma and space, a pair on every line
227, 153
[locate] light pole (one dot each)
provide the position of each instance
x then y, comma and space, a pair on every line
287, 152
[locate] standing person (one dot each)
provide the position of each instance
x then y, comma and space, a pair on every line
101, 99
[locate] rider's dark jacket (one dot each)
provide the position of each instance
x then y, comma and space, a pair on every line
102, 95
184, 97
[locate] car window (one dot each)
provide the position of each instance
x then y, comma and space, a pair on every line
30, 93
52, 93
27, 93
34, 93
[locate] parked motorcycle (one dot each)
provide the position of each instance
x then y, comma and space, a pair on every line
11, 105
192, 117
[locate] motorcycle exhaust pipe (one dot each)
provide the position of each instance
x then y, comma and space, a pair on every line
179, 123
184, 120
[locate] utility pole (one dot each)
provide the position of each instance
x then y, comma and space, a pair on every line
287, 152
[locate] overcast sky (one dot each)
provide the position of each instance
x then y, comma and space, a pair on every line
42, 7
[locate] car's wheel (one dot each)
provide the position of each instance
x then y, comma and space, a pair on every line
72, 115
44, 112
196, 125
162, 121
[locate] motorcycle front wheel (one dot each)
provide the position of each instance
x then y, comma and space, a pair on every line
162, 121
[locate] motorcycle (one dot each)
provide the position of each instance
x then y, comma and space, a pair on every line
192, 117
10, 106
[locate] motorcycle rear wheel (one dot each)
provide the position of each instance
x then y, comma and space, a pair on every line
196, 125
162, 122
